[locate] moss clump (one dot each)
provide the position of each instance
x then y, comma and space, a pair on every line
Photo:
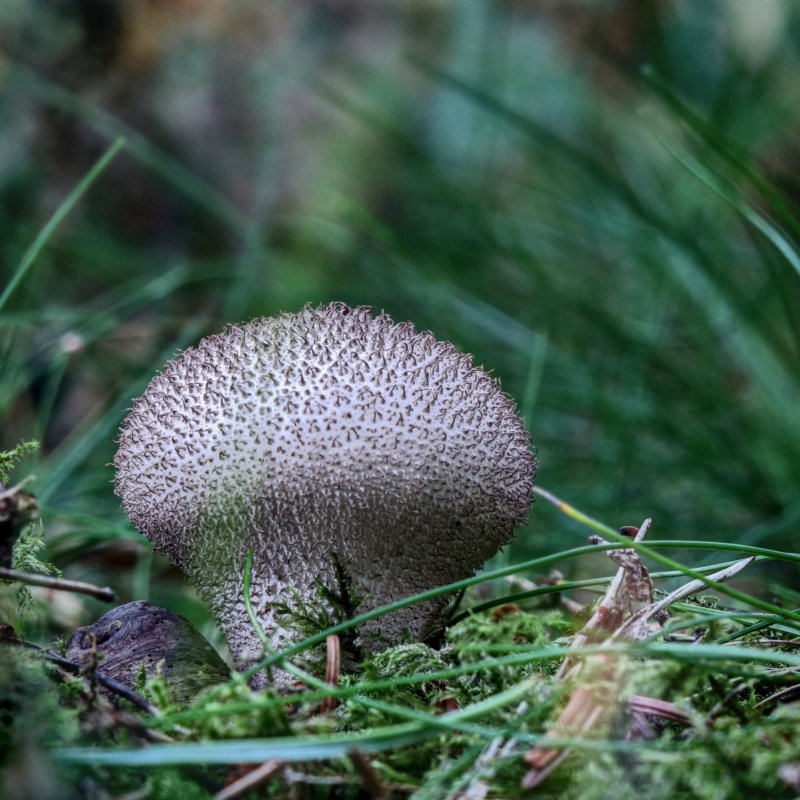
731, 761
441, 757
169, 784
406, 660
478, 638
32, 721
235, 711
8, 458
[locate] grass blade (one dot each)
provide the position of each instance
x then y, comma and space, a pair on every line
61, 212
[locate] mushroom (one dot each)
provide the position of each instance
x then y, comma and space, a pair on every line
326, 442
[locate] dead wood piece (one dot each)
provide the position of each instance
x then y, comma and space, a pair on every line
679, 594
653, 707
140, 636
601, 674
485, 765
626, 585
787, 695
9, 637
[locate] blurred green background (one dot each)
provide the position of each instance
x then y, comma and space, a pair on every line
597, 199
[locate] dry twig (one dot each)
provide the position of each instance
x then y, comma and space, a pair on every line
333, 669
601, 673
483, 768
250, 780
657, 708
370, 779
8, 637
48, 582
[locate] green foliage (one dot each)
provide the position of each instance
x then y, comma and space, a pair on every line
405, 660
255, 715
334, 602
24, 558
156, 690
9, 458
28, 535
731, 760
26, 549
169, 784
474, 639
32, 722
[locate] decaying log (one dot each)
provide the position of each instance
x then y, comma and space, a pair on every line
138, 636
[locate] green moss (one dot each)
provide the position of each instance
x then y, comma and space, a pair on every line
405, 660
169, 784
8, 458
157, 691
514, 627
731, 761
264, 718
32, 722
29, 705
26, 534
471, 641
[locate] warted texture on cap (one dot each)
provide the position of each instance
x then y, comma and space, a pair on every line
327, 434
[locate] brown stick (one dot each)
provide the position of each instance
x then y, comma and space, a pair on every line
600, 617
251, 779
588, 701
370, 779
658, 708
8, 637
63, 585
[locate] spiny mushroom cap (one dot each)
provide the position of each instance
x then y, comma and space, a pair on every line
330, 433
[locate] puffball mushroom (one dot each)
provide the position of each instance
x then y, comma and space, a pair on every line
329, 435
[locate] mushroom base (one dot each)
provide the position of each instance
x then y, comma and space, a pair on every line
279, 620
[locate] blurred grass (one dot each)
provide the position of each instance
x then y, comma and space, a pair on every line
599, 202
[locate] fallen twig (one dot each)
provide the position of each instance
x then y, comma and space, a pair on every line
787, 695
12, 490
7, 637
48, 582
294, 776
484, 766
658, 708
370, 780
248, 781
647, 613
609, 608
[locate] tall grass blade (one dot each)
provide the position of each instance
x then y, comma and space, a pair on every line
61, 212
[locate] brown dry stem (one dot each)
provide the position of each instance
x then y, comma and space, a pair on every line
61, 584
250, 780
601, 675
333, 669
624, 613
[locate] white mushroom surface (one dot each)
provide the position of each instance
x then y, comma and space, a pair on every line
327, 434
